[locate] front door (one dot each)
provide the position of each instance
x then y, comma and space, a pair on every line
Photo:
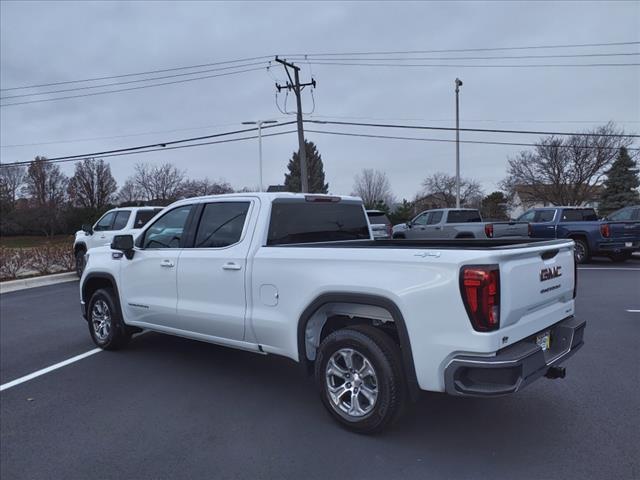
212, 273
418, 226
148, 280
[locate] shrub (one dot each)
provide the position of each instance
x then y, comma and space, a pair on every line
12, 261
43, 259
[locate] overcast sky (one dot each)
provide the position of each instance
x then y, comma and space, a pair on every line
59, 41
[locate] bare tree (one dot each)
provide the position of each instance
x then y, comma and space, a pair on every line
11, 178
373, 187
197, 188
92, 185
161, 183
45, 186
442, 188
129, 193
566, 171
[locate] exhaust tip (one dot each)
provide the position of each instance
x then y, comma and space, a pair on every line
556, 372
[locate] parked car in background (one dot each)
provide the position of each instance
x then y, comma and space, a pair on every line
458, 223
115, 221
625, 214
380, 224
614, 239
300, 276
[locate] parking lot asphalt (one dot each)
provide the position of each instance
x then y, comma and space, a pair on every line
168, 407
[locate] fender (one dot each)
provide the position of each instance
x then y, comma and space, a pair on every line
365, 299
97, 276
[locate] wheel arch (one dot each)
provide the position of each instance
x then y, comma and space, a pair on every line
379, 307
95, 281
79, 246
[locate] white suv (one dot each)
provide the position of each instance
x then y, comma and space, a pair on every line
116, 221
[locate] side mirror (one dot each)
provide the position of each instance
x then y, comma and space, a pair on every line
408, 224
124, 243
87, 228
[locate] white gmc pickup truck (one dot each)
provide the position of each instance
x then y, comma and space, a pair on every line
375, 321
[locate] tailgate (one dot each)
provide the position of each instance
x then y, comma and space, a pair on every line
537, 282
625, 231
510, 229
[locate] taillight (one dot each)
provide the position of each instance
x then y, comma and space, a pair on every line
480, 289
575, 276
488, 230
605, 231
529, 230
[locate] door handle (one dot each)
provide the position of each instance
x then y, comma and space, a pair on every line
167, 263
438, 228
231, 266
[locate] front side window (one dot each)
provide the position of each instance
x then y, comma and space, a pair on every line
166, 232
122, 217
435, 218
422, 219
105, 222
221, 224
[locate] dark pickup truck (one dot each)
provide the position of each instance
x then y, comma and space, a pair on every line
614, 239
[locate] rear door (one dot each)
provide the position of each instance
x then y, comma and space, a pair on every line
434, 225
212, 270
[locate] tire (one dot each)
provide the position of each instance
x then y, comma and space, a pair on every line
380, 392
581, 252
106, 327
620, 257
80, 261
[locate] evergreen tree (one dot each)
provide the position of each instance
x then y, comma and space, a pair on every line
315, 171
620, 187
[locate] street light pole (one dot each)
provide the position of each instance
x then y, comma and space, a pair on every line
259, 123
458, 85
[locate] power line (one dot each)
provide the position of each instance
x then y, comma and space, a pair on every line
163, 145
483, 130
63, 160
480, 142
133, 88
442, 65
264, 57
469, 120
175, 75
490, 49
501, 57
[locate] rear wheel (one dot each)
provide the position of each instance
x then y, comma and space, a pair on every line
360, 377
581, 251
105, 321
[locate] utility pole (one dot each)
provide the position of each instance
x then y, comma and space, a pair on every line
297, 88
259, 123
458, 85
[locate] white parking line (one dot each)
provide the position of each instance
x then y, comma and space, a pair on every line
633, 311
33, 375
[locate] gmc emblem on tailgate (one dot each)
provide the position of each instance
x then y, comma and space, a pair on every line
549, 273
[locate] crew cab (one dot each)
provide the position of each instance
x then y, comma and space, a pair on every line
458, 223
115, 221
376, 321
614, 239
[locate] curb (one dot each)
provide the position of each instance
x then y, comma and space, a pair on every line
23, 284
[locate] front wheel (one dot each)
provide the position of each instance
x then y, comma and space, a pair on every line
106, 327
360, 377
80, 262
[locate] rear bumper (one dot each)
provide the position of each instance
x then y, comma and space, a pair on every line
514, 367
618, 246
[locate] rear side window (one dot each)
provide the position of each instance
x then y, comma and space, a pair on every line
306, 222
463, 216
578, 215
378, 218
122, 217
143, 216
221, 224
166, 232
621, 215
